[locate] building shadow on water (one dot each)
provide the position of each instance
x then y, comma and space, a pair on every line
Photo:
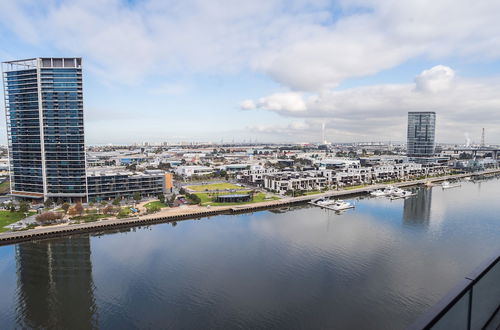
417, 209
55, 285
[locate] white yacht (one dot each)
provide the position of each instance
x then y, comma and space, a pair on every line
378, 193
401, 193
325, 202
448, 185
389, 190
340, 205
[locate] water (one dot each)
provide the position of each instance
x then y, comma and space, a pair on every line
378, 266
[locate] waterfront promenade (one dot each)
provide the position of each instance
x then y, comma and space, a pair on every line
195, 212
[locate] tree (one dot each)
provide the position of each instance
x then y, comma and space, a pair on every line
79, 208
23, 207
11, 207
49, 217
161, 198
109, 209
172, 200
48, 203
72, 211
116, 201
65, 207
137, 196
153, 209
194, 198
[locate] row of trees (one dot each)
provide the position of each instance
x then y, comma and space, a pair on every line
23, 207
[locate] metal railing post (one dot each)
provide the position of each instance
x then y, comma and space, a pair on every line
469, 311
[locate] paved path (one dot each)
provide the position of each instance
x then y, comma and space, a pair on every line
195, 211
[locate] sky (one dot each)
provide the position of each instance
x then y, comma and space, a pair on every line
269, 70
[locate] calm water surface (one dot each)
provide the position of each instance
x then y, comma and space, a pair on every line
378, 266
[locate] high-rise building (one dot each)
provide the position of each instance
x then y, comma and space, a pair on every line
44, 110
421, 134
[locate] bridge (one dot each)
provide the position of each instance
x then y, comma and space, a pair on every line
494, 150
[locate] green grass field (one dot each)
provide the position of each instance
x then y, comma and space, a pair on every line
7, 217
206, 199
155, 203
214, 186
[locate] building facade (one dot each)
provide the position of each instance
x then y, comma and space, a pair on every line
421, 134
44, 112
110, 185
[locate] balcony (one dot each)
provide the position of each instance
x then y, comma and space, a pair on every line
473, 304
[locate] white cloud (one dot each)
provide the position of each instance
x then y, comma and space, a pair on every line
437, 79
380, 111
292, 102
247, 105
304, 45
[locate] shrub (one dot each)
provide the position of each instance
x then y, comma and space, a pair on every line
194, 198
153, 209
65, 207
79, 208
109, 210
48, 217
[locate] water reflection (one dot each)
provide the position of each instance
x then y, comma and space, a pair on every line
55, 286
373, 267
417, 209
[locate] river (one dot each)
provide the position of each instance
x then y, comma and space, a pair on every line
377, 266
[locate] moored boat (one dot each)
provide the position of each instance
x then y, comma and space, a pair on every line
448, 185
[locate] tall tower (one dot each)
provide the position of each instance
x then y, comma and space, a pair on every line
483, 143
44, 112
421, 134
323, 138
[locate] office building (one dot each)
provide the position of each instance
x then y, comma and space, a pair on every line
44, 112
421, 134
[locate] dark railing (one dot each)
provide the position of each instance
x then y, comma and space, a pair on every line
472, 304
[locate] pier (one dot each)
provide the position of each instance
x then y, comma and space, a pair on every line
202, 212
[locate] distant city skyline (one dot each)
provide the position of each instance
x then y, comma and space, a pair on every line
268, 70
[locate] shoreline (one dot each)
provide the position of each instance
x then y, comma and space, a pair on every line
197, 212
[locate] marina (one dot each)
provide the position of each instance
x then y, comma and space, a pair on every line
199, 212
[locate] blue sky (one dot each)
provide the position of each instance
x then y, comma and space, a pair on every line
271, 71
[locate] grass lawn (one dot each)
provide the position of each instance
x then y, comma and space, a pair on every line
206, 199
214, 186
90, 217
124, 212
313, 192
355, 187
155, 203
5, 187
7, 217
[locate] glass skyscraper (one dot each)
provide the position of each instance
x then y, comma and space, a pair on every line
421, 134
44, 111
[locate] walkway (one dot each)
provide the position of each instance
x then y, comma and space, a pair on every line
193, 212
